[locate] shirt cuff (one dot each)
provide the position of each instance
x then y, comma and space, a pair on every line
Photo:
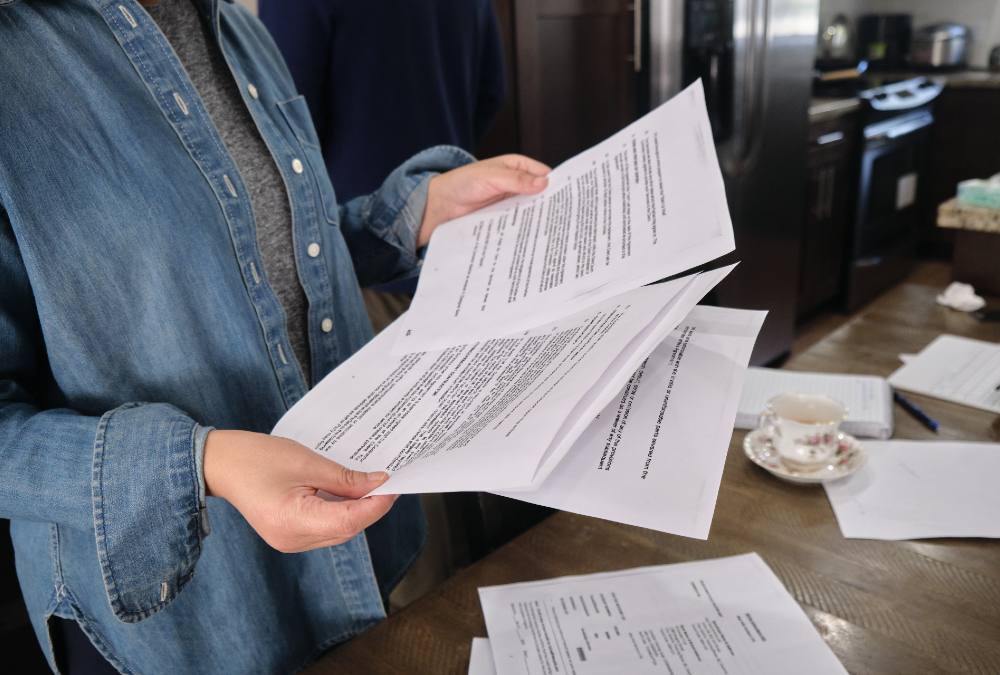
411, 182
413, 213
148, 494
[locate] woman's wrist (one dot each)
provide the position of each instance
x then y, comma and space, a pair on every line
432, 212
219, 446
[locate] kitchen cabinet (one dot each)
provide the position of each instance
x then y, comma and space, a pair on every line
964, 144
831, 169
579, 73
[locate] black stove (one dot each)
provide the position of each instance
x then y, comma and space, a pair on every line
896, 117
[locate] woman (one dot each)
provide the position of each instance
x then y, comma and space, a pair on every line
174, 272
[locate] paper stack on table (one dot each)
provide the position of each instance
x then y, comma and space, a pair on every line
504, 399
920, 489
956, 369
481, 658
729, 615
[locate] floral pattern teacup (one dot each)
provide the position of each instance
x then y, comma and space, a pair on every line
803, 428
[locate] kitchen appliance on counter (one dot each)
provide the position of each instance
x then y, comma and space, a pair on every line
884, 40
836, 40
755, 58
895, 120
941, 46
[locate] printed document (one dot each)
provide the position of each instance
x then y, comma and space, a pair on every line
956, 369
481, 658
655, 454
729, 616
493, 415
645, 204
918, 489
868, 398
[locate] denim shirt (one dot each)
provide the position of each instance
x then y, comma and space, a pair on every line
135, 317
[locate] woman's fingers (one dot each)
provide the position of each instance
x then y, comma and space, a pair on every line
526, 164
513, 181
326, 523
338, 480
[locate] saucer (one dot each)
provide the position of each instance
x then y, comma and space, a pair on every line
848, 458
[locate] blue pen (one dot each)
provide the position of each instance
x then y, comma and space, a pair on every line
911, 407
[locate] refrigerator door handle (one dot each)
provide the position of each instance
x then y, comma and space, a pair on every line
637, 35
753, 83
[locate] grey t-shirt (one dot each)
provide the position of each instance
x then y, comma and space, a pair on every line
187, 32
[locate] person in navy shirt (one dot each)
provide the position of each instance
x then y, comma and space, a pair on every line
419, 73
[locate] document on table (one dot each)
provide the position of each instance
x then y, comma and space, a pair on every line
729, 615
868, 398
481, 658
956, 369
655, 454
919, 489
494, 415
645, 204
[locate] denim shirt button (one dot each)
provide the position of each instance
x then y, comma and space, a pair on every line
123, 10
326, 325
252, 90
181, 103
229, 185
313, 250
297, 166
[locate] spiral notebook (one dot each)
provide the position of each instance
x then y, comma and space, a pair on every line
868, 398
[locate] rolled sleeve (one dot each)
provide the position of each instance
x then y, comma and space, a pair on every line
381, 228
149, 505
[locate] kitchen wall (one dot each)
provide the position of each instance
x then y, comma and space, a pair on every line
982, 16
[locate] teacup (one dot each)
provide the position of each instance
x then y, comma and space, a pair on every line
803, 428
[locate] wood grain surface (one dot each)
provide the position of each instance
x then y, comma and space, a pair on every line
920, 607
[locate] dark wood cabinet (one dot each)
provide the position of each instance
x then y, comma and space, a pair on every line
964, 143
578, 78
831, 174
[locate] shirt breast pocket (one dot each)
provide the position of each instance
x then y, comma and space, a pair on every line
299, 120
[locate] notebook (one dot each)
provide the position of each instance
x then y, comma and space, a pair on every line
868, 398
956, 369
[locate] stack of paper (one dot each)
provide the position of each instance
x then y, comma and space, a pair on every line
730, 615
868, 398
645, 204
957, 369
530, 321
918, 489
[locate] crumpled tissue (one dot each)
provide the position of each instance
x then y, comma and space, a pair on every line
961, 297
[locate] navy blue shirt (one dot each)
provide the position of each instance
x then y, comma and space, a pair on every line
408, 74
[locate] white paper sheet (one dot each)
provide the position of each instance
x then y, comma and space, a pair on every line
918, 489
868, 398
729, 615
655, 454
644, 205
481, 658
485, 416
956, 369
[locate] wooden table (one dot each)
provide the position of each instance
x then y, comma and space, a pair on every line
916, 607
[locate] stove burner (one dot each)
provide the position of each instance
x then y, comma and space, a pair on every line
902, 94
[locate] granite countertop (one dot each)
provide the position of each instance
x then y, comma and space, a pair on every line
825, 108
959, 78
972, 78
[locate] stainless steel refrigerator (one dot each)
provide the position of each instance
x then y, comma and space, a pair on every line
755, 58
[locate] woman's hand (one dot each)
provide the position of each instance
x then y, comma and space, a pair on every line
274, 483
473, 186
